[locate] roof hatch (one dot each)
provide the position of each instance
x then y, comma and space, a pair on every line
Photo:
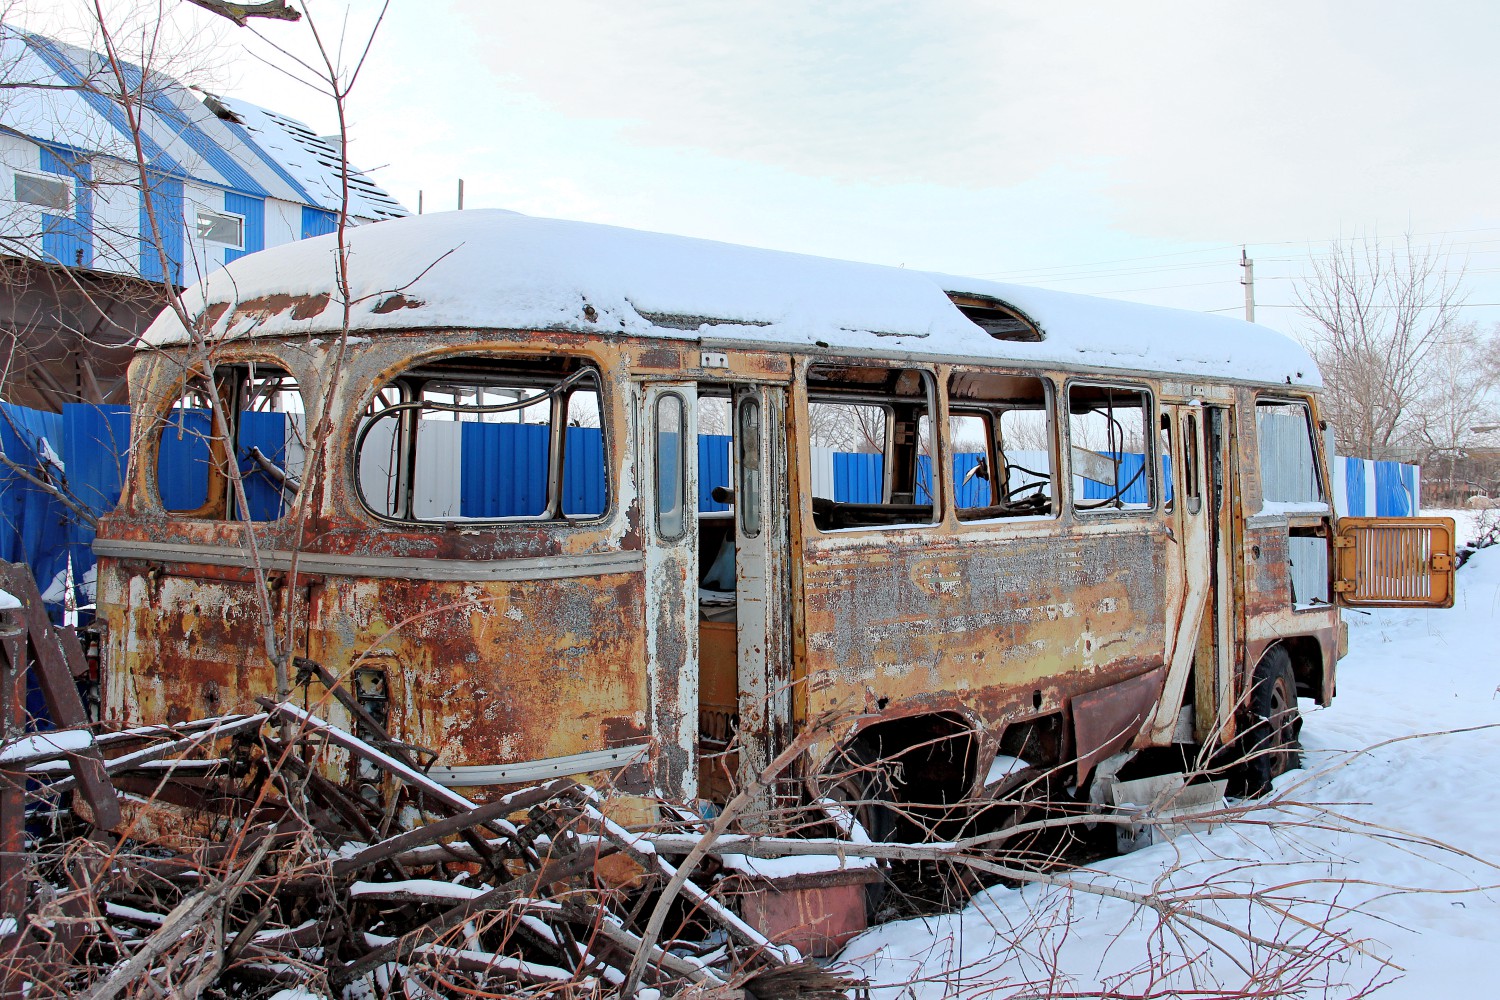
996, 318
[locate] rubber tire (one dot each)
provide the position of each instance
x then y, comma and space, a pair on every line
871, 788
1271, 742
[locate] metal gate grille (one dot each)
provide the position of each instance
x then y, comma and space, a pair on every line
1387, 562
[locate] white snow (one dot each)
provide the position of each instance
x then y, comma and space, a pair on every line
1404, 857
417, 887
1284, 507
43, 744
812, 864
496, 269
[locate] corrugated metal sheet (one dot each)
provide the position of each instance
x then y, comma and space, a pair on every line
34, 522
1288, 473
504, 469
1137, 485
715, 469
162, 201
96, 449
858, 478
182, 462
318, 222
585, 486
1309, 570
266, 431
68, 239
438, 486
254, 212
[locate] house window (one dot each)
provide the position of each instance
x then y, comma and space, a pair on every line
215, 227
53, 193
486, 439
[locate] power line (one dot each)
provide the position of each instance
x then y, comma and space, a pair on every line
1060, 272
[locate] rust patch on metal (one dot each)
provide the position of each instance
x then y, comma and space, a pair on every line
396, 301
1107, 719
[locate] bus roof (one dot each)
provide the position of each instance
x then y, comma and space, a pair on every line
491, 269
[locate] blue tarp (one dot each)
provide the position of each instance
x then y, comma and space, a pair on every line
1394, 488
1354, 487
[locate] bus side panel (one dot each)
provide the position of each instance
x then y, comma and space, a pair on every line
179, 647
484, 673
497, 672
979, 622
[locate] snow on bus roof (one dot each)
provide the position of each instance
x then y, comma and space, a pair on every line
491, 269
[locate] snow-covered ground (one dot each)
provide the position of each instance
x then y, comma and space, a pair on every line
1389, 836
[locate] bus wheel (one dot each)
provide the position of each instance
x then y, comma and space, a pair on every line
1271, 744
863, 787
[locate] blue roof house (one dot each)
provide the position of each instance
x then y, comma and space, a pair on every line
86, 246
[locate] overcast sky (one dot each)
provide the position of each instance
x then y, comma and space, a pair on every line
1124, 149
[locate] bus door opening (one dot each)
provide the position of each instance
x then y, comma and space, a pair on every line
744, 706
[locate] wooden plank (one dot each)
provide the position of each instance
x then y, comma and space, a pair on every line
61, 695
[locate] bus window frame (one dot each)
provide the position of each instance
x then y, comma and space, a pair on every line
994, 414
164, 408
935, 410
1150, 419
358, 414
1320, 466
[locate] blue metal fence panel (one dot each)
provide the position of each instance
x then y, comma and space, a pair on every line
266, 431
69, 239
584, 487
858, 477
713, 469
163, 204
503, 471
35, 522
1137, 487
182, 463
254, 212
318, 222
1354, 487
1391, 498
974, 493
96, 449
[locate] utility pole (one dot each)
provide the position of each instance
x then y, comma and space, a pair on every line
1249, 282
419, 202
460, 194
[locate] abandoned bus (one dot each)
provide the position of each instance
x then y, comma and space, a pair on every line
550, 498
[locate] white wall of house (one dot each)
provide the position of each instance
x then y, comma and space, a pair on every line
20, 224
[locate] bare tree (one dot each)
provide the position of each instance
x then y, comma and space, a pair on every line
1378, 314
1459, 399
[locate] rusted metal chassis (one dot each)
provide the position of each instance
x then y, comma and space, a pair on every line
527, 642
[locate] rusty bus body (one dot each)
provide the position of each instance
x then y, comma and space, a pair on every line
1050, 625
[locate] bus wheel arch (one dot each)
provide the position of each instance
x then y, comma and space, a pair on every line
929, 759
